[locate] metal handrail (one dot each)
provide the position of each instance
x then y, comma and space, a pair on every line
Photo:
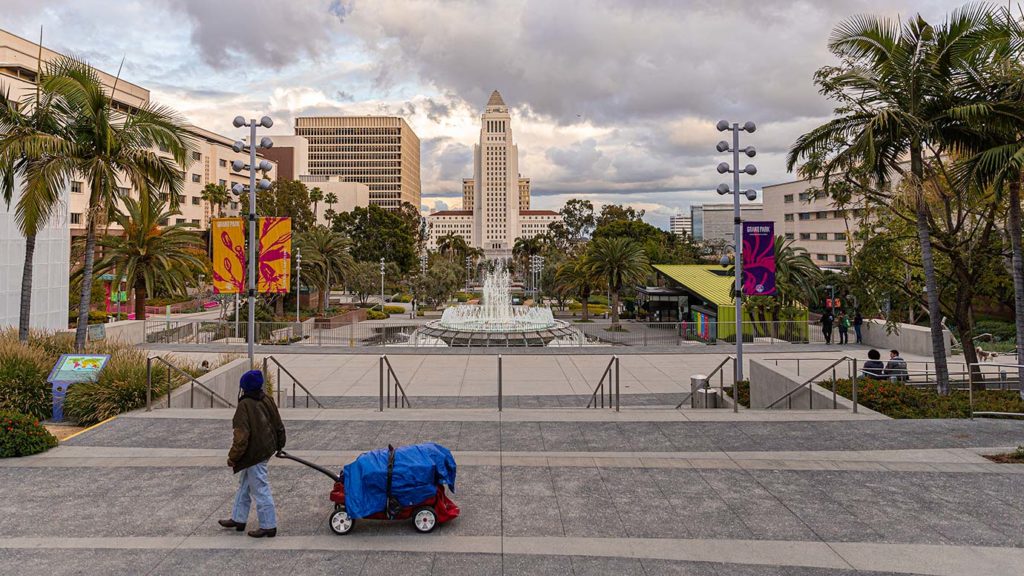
721, 383
614, 398
295, 382
398, 386
191, 379
811, 380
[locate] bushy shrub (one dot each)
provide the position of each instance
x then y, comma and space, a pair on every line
898, 400
743, 393
95, 317
394, 309
404, 298
598, 299
120, 388
23, 372
376, 315
22, 435
1000, 331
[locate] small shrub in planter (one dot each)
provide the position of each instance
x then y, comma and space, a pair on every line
376, 315
22, 435
394, 310
23, 385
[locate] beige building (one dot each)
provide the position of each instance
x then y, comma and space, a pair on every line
380, 151
815, 224
496, 200
680, 225
469, 183
350, 194
714, 222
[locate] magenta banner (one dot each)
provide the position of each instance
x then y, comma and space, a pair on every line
758, 258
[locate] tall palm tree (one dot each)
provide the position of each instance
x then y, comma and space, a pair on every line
453, 246
30, 129
149, 256
107, 144
315, 196
621, 261
215, 195
328, 258
899, 98
577, 277
796, 275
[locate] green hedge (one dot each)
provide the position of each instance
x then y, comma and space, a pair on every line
898, 400
23, 372
22, 435
394, 309
376, 315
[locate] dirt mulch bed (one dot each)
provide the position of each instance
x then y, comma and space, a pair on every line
1010, 458
61, 431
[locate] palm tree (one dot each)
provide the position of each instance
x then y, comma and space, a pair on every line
328, 257
621, 262
31, 129
315, 196
577, 277
215, 195
452, 245
149, 256
796, 275
105, 145
899, 97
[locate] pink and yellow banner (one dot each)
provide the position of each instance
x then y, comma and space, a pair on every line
228, 255
275, 242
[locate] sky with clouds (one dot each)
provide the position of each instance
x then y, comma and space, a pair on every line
612, 100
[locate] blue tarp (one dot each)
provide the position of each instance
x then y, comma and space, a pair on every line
419, 469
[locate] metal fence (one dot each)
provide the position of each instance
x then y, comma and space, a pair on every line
397, 332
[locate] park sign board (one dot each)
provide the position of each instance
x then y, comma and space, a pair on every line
73, 369
758, 258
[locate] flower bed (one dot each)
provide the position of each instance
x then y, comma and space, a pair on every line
898, 400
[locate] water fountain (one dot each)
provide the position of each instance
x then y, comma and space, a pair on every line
496, 322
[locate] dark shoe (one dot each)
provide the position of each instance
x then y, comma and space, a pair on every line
229, 523
263, 532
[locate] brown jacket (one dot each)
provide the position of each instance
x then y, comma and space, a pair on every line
258, 432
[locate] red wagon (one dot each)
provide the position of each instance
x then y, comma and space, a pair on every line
425, 515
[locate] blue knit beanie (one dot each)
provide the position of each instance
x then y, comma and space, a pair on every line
251, 381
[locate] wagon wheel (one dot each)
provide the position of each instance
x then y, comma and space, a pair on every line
340, 522
424, 520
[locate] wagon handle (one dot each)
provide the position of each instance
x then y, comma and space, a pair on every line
317, 467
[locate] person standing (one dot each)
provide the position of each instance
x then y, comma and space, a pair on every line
858, 321
826, 325
844, 328
258, 435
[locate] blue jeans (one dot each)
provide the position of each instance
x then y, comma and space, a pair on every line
253, 483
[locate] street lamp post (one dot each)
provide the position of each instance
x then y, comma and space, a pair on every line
238, 189
469, 267
298, 282
723, 168
382, 284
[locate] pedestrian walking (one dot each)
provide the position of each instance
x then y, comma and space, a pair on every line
844, 328
826, 325
258, 435
858, 321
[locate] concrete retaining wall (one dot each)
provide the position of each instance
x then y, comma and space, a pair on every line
223, 380
768, 383
130, 332
906, 338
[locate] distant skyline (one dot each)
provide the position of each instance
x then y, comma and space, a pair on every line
613, 101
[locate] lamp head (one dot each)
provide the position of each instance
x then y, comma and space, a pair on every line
266, 142
751, 195
724, 261
237, 165
750, 169
238, 146
266, 122
723, 167
722, 125
266, 166
749, 127
723, 189
263, 184
237, 189
722, 146
238, 122
750, 151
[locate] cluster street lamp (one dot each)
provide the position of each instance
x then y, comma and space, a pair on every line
238, 189
298, 283
469, 268
723, 168
536, 266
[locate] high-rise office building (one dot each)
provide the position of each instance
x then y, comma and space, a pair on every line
714, 222
380, 151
